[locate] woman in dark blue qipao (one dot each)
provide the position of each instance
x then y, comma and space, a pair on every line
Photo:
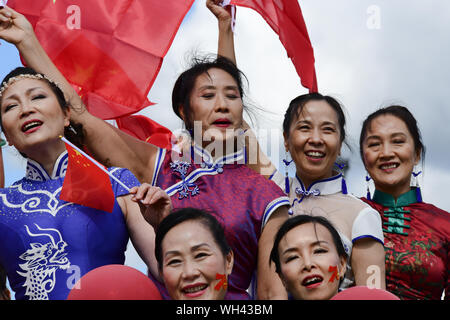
47, 244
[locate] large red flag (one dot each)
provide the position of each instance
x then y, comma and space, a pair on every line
146, 129
110, 50
85, 182
286, 19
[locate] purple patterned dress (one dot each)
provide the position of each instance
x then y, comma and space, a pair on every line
241, 199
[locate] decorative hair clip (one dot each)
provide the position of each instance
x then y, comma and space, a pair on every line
12, 80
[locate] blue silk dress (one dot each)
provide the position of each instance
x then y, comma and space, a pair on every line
47, 244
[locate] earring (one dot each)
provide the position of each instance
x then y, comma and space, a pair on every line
341, 167
286, 179
415, 183
368, 178
72, 129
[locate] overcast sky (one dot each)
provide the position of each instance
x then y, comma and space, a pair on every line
368, 54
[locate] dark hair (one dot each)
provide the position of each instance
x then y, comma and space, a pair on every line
184, 85
74, 132
185, 214
298, 220
403, 114
296, 107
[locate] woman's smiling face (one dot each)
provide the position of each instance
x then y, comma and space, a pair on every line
389, 154
192, 261
314, 141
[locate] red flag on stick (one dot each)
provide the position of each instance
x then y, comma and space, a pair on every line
87, 182
110, 50
146, 129
286, 19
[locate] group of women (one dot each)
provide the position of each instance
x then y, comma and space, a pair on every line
208, 225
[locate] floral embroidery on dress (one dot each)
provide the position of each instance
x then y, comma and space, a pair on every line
186, 188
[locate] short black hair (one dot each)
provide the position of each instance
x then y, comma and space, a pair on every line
181, 93
298, 220
296, 107
185, 214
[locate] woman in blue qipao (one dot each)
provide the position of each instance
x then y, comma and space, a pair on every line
210, 94
47, 244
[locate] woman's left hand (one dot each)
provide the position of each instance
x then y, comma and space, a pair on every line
154, 203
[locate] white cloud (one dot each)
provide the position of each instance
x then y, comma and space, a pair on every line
404, 61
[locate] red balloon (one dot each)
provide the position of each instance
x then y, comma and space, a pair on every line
364, 293
114, 282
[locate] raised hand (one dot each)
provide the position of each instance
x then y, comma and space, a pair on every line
225, 46
14, 27
222, 14
154, 203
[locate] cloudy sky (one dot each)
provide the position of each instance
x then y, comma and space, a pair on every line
368, 54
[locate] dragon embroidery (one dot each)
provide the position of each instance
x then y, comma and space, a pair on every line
41, 263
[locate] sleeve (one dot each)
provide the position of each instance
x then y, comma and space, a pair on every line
126, 178
272, 207
158, 164
278, 178
368, 225
447, 284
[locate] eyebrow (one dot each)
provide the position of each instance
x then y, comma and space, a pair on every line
315, 243
193, 249
322, 124
13, 96
229, 87
395, 134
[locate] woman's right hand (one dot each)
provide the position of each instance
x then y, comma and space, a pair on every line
14, 27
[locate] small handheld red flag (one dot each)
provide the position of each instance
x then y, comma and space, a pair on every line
85, 182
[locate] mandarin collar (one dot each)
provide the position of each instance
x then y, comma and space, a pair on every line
326, 186
202, 156
35, 171
388, 200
